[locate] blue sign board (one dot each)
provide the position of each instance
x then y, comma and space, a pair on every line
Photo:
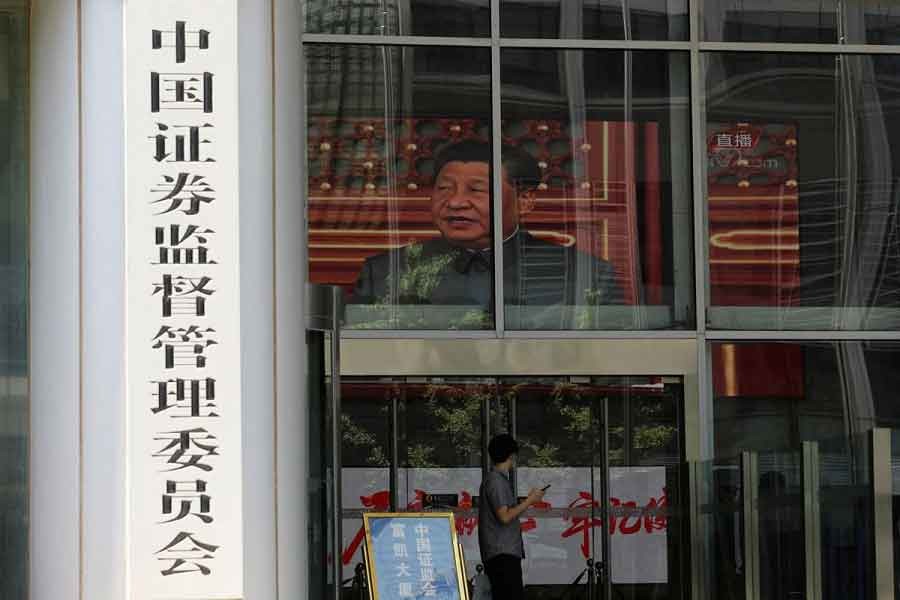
414, 556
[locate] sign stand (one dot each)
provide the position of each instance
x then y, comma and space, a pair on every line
413, 555
365, 590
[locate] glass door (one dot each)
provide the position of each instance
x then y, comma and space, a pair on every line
323, 434
647, 535
609, 447
611, 450
441, 434
321, 501
560, 424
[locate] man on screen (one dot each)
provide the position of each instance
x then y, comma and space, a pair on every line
457, 267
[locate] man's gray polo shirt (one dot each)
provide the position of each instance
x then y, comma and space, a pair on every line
494, 537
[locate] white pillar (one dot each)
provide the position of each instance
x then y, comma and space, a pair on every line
54, 305
78, 538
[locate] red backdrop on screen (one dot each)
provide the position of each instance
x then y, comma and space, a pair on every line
360, 204
754, 234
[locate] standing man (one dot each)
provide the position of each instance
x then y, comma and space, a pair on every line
499, 530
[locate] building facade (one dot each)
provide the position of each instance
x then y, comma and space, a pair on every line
656, 241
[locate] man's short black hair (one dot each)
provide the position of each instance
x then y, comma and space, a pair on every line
502, 447
521, 168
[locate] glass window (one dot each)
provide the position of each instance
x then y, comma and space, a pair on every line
596, 190
800, 21
872, 22
803, 182
399, 183
770, 398
441, 439
13, 303
810, 391
595, 19
594, 440
458, 18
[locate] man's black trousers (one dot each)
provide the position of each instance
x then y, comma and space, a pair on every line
505, 573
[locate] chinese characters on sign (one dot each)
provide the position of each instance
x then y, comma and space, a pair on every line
183, 330
734, 140
414, 556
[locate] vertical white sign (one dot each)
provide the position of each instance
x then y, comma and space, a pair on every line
183, 334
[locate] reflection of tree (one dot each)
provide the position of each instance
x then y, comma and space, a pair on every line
542, 455
361, 445
453, 412
419, 274
419, 277
574, 427
443, 426
657, 432
357, 436
420, 456
570, 420
652, 437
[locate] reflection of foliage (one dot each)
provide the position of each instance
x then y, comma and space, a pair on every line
583, 422
579, 417
418, 275
572, 412
419, 456
545, 455
650, 437
356, 435
617, 443
586, 316
377, 317
472, 319
457, 412
443, 426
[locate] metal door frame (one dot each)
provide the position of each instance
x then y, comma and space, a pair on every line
324, 310
523, 357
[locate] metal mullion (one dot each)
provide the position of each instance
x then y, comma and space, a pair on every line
841, 23
513, 430
613, 334
495, 20
602, 334
700, 549
694, 21
698, 171
705, 399
336, 436
798, 48
497, 171
698, 541
394, 484
573, 44
392, 40
486, 406
882, 512
827, 335
750, 518
604, 500
812, 521
416, 334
